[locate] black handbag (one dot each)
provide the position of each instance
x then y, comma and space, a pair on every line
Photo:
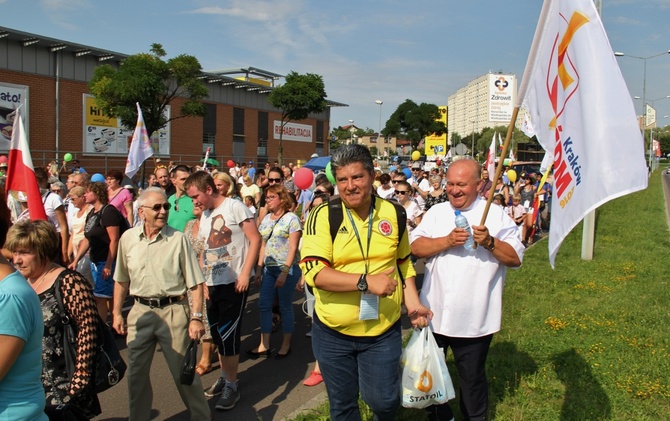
109, 367
187, 373
65, 412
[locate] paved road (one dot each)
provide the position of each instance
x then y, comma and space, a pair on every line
270, 389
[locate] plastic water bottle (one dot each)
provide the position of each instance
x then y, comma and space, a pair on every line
462, 222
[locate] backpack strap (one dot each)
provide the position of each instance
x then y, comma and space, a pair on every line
336, 216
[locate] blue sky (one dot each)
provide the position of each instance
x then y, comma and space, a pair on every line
365, 50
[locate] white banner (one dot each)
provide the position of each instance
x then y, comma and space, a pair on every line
293, 131
502, 90
583, 114
650, 117
11, 98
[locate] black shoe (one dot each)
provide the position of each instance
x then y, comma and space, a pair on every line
279, 356
253, 353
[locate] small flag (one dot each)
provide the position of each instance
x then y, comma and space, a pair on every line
20, 170
140, 146
491, 158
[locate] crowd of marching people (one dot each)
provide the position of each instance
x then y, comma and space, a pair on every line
225, 232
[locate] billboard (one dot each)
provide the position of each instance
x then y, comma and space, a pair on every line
437, 145
292, 131
502, 92
12, 97
104, 135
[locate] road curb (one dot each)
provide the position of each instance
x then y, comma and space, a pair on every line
311, 404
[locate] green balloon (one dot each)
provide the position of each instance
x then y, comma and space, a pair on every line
67, 157
330, 175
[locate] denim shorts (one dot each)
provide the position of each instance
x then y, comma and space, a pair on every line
102, 287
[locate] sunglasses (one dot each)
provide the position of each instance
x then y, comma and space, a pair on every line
270, 198
157, 207
396, 181
274, 180
56, 190
401, 192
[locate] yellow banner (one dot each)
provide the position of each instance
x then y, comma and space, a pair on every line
437, 145
95, 116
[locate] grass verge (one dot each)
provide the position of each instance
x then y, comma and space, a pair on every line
588, 340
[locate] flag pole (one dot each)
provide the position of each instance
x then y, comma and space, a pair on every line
589, 221
499, 168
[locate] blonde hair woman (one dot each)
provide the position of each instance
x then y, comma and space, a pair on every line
77, 223
225, 185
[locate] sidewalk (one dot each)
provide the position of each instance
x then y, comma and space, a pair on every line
270, 389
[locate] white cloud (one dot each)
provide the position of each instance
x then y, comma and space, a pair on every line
64, 12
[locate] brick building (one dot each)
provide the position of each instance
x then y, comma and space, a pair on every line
50, 76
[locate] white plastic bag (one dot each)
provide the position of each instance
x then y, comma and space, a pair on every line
425, 378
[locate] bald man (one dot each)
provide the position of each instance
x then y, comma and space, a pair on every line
464, 288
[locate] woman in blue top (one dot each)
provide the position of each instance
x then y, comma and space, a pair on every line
21, 392
281, 231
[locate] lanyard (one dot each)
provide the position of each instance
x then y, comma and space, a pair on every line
360, 245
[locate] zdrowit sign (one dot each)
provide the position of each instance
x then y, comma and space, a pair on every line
293, 131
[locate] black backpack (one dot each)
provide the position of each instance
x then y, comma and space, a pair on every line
124, 221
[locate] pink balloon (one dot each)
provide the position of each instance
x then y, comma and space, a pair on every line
303, 178
3, 159
231, 163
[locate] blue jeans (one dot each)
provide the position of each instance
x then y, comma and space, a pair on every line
371, 366
285, 297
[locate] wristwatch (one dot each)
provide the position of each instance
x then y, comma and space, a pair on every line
196, 315
492, 244
362, 284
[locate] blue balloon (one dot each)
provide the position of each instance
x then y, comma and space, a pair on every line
98, 178
407, 172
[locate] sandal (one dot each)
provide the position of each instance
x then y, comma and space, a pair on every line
201, 370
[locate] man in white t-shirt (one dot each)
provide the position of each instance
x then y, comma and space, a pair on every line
232, 243
464, 288
53, 206
418, 180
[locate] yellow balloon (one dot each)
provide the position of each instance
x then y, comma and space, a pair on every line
511, 174
416, 155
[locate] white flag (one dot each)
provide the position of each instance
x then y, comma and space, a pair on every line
140, 146
583, 114
490, 165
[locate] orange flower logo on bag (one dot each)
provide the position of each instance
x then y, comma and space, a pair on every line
425, 382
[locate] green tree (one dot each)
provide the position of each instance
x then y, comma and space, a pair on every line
154, 83
299, 96
414, 122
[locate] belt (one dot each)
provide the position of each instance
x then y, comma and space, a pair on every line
159, 302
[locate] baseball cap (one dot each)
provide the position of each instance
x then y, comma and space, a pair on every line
416, 166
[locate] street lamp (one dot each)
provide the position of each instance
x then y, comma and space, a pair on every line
379, 134
472, 151
644, 90
651, 129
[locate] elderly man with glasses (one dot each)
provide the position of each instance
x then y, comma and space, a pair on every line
161, 313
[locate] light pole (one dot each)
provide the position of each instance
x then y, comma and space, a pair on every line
351, 130
644, 90
472, 151
651, 129
379, 135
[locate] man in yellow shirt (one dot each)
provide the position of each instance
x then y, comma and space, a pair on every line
360, 280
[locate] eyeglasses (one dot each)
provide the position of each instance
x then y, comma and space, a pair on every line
270, 197
157, 207
403, 192
396, 181
56, 190
274, 180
